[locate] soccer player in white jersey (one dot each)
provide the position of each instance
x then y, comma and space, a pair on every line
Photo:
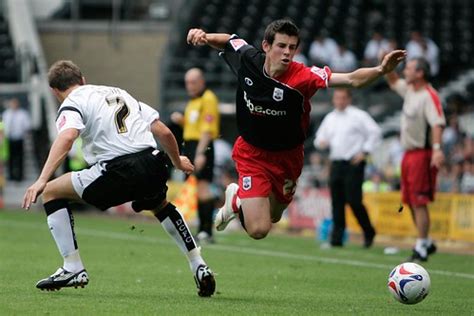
118, 144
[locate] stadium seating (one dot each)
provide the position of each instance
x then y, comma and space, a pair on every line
9, 69
447, 23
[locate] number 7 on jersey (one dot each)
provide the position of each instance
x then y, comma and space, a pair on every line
121, 114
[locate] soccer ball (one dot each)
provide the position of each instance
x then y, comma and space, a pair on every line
409, 283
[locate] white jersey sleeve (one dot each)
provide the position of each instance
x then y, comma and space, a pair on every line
69, 119
149, 114
70, 115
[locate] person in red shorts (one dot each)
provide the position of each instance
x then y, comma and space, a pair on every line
272, 107
421, 129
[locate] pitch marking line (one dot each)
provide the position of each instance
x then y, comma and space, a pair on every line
235, 249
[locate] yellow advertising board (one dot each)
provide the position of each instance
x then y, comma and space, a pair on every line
452, 216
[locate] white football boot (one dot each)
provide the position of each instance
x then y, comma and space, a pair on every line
226, 213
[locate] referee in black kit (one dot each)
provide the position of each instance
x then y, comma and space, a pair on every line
350, 134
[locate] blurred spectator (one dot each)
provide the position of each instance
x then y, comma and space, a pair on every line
3, 145
17, 125
449, 177
468, 148
457, 153
3, 158
321, 49
467, 178
451, 134
316, 173
395, 151
395, 154
299, 56
374, 48
343, 60
376, 183
420, 46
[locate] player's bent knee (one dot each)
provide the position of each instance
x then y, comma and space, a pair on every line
258, 233
48, 195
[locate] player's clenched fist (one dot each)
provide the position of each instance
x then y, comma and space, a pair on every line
196, 37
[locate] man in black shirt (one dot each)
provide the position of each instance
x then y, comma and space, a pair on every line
273, 105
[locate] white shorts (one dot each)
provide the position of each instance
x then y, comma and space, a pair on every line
83, 178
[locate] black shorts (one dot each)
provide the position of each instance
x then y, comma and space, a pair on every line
137, 177
189, 150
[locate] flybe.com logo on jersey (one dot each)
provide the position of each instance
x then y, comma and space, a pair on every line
260, 110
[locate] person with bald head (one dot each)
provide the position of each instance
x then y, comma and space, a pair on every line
200, 127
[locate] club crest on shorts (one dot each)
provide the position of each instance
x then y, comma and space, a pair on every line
278, 94
247, 183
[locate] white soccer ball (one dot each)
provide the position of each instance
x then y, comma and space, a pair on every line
409, 283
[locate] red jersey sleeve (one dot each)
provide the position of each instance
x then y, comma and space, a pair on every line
317, 78
306, 79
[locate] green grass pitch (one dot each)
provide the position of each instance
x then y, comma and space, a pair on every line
135, 269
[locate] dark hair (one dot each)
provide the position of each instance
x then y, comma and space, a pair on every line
283, 26
64, 74
423, 65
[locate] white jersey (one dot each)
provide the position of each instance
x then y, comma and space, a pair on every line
111, 122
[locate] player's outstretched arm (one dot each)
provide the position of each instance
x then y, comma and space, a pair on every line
59, 150
198, 37
168, 141
364, 76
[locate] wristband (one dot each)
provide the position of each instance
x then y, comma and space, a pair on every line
436, 146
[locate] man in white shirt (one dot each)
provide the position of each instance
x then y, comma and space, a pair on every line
350, 134
343, 60
17, 125
321, 49
376, 46
117, 134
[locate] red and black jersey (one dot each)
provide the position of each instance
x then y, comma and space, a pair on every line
272, 113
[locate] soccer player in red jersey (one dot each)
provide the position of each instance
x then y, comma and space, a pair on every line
273, 105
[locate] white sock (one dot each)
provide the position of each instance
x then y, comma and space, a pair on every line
73, 262
429, 242
195, 259
61, 226
421, 244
